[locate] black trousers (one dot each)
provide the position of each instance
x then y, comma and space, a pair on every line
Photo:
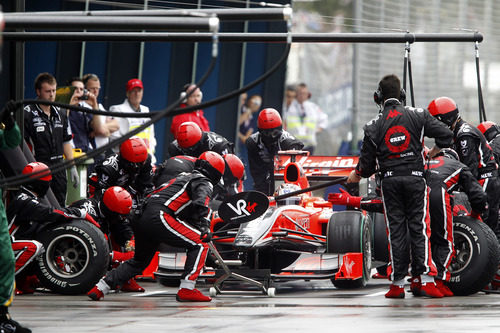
406, 212
441, 212
154, 227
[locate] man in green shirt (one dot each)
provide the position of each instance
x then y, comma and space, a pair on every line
10, 137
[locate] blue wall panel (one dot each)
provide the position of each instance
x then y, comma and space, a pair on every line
40, 57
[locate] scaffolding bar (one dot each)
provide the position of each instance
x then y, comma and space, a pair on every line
231, 14
110, 22
246, 37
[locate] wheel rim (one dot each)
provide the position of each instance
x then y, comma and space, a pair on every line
367, 252
464, 250
67, 256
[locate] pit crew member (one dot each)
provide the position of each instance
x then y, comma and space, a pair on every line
393, 142
264, 145
177, 214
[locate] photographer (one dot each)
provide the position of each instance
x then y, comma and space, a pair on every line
81, 123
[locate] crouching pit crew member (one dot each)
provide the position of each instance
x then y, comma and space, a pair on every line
393, 142
177, 214
112, 214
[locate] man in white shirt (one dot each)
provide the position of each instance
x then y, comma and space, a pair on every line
304, 118
132, 103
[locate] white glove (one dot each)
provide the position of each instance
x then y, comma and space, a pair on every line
74, 176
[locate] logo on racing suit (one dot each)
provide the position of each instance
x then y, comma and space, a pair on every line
397, 139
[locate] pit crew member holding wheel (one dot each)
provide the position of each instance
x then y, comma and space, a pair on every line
27, 215
176, 213
473, 151
264, 145
393, 142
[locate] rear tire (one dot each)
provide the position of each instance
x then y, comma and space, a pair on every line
76, 257
477, 256
350, 231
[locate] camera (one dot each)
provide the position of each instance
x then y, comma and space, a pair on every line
85, 95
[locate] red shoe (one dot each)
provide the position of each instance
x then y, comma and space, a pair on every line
429, 289
194, 295
379, 276
131, 286
395, 292
415, 286
27, 285
443, 288
95, 294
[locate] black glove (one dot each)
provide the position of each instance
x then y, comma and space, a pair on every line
206, 235
8, 115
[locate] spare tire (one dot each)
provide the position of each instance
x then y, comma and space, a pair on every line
76, 257
477, 256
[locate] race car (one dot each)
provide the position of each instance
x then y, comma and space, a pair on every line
299, 236
296, 236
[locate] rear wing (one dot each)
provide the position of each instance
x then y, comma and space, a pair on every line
316, 168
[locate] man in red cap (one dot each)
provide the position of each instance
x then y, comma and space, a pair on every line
135, 91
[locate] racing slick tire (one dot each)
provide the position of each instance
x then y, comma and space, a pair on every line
76, 257
350, 231
477, 256
168, 282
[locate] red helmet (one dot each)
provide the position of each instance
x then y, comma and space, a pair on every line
41, 181
489, 129
234, 165
444, 109
34, 167
211, 164
134, 150
188, 134
269, 118
117, 200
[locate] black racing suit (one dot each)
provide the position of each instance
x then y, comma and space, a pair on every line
47, 135
172, 167
261, 158
393, 142
113, 172
495, 146
116, 227
444, 176
209, 141
173, 214
27, 215
476, 153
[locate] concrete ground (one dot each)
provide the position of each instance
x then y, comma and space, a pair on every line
299, 306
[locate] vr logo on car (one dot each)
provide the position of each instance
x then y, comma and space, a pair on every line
241, 207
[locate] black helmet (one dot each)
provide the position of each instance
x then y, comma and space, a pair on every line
211, 164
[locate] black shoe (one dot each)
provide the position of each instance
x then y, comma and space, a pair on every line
12, 326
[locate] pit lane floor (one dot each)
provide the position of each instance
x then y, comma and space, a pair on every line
299, 306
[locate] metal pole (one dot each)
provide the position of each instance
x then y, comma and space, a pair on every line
82, 53
358, 5
141, 50
248, 37
110, 22
232, 14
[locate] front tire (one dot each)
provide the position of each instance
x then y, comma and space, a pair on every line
477, 256
76, 257
350, 231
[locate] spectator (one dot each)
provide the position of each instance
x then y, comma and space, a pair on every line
103, 126
46, 131
80, 122
134, 91
304, 119
290, 94
194, 116
393, 146
264, 145
10, 137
